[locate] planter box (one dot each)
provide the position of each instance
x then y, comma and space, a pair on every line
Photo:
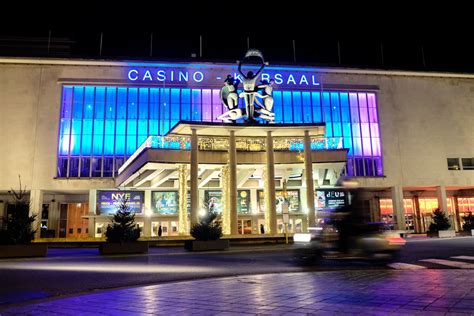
442, 233
29, 250
125, 248
199, 245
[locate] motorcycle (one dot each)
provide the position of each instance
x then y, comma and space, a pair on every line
372, 242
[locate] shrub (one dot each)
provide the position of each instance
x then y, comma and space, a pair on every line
468, 222
440, 221
123, 227
19, 224
209, 228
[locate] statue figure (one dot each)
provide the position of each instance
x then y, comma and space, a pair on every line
267, 106
249, 81
230, 97
229, 93
230, 100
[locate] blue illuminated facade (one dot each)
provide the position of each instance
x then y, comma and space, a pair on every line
101, 126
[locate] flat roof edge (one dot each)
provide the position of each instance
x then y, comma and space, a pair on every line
138, 63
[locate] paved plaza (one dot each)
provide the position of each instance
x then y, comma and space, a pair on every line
376, 292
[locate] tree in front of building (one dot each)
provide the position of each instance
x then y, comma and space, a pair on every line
439, 221
123, 228
18, 222
208, 228
468, 222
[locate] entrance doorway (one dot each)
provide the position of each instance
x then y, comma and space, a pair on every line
245, 226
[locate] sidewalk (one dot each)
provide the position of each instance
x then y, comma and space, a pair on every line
427, 292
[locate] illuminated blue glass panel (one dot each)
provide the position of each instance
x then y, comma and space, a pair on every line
287, 107
175, 106
307, 108
165, 110
109, 145
143, 127
317, 107
111, 101
121, 103
66, 108
196, 105
119, 144
78, 101
89, 102
185, 104
98, 144
297, 107
154, 103
143, 103
278, 106
99, 103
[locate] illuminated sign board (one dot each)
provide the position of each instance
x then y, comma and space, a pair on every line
292, 196
205, 75
213, 200
109, 201
331, 199
165, 202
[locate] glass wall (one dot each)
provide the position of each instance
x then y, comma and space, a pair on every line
101, 126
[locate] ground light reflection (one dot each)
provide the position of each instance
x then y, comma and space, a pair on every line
112, 268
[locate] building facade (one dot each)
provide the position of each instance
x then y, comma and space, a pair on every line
84, 134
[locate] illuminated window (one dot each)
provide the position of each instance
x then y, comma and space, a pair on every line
453, 164
467, 163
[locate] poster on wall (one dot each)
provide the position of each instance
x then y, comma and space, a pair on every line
243, 202
293, 197
330, 199
213, 200
165, 202
108, 201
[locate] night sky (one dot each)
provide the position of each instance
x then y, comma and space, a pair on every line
411, 38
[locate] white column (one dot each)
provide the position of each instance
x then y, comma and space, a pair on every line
398, 210
147, 215
308, 170
183, 200
441, 196
194, 178
36, 201
92, 212
270, 206
233, 184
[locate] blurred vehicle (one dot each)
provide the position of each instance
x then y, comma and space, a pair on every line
374, 243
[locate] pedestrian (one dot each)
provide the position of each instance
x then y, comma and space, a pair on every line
262, 229
160, 231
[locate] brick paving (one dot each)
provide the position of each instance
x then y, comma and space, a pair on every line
377, 292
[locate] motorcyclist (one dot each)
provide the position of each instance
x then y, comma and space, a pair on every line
350, 221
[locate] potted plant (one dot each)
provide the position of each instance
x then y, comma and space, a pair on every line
440, 225
468, 225
16, 237
207, 234
123, 234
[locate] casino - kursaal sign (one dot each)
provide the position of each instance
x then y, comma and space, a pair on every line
258, 98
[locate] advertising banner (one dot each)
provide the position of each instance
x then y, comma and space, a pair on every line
330, 199
292, 196
108, 201
165, 202
213, 200
243, 202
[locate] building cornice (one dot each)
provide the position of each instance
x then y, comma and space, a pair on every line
125, 63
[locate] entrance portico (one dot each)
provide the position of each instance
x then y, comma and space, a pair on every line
254, 157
